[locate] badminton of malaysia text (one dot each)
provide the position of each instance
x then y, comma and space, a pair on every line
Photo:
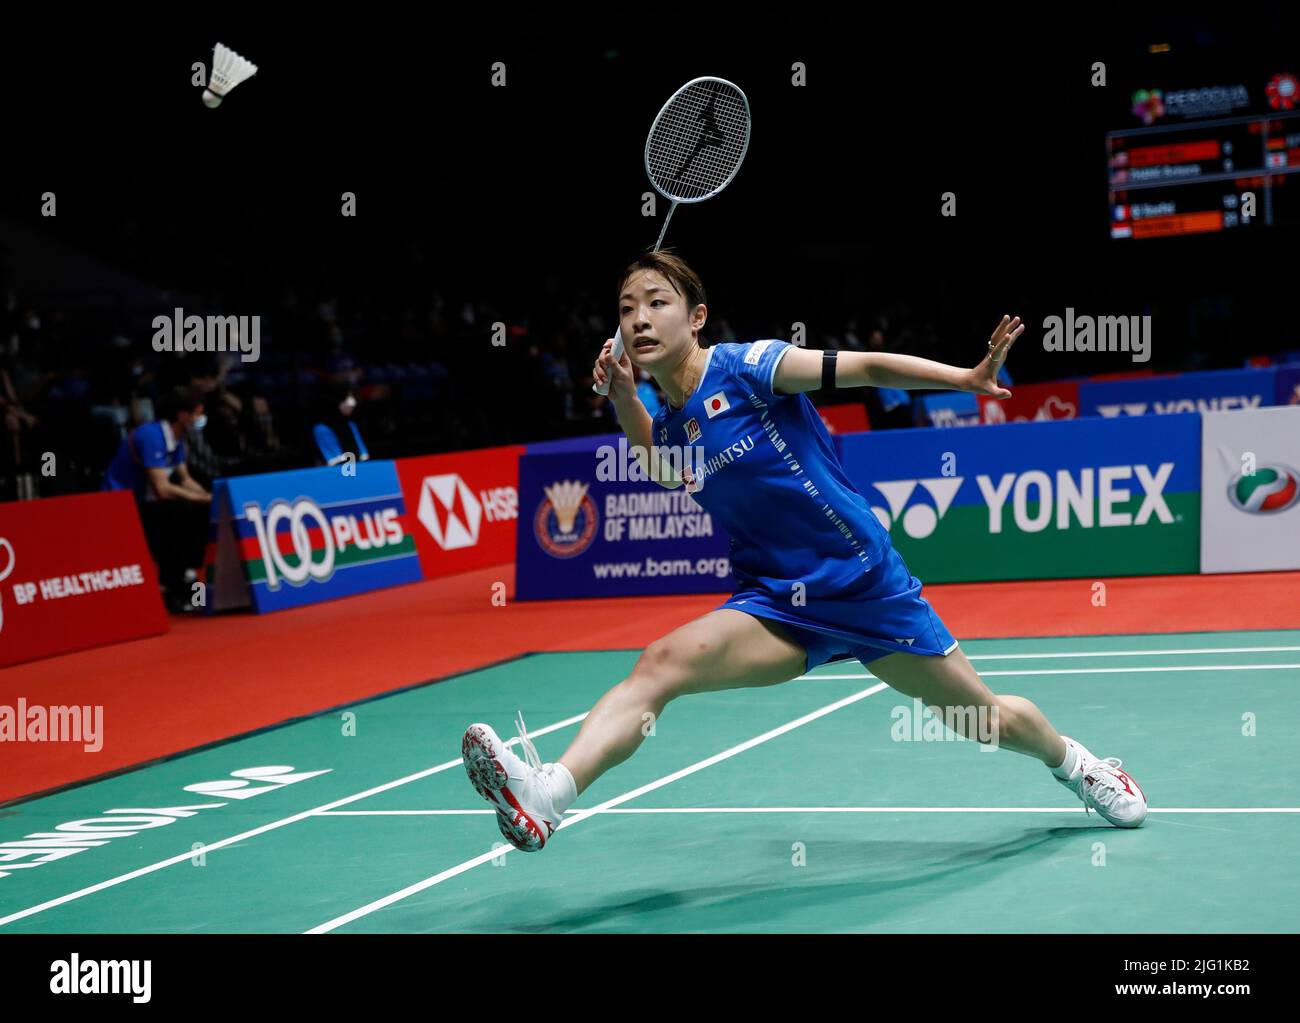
657, 516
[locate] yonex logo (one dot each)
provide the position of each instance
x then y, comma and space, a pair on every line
450, 511
71, 837
1131, 409
920, 520
1036, 500
1225, 403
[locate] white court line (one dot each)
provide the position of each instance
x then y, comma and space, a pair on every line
141, 872
825, 809
1103, 671
667, 779
274, 825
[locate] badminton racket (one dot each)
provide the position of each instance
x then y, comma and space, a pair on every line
694, 149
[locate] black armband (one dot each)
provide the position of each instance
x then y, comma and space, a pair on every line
828, 369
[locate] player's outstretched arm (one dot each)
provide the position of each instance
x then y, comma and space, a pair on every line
801, 369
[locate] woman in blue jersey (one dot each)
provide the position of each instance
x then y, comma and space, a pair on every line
817, 578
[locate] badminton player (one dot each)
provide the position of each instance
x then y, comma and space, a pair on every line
817, 577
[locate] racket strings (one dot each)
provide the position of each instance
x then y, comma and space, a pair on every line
698, 141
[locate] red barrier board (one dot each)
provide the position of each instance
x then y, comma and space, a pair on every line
75, 572
463, 507
846, 418
1032, 403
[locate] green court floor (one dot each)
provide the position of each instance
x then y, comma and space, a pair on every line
788, 808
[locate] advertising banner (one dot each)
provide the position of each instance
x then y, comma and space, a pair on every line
463, 507
946, 408
850, 417
75, 572
588, 530
1250, 495
1032, 403
1288, 384
1222, 391
1078, 498
301, 537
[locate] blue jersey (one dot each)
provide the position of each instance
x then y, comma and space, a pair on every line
769, 476
806, 548
144, 448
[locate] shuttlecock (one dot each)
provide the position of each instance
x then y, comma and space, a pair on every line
228, 70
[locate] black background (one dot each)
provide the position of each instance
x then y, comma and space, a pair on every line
510, 195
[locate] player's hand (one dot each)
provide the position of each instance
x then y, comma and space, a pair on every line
984, 377
624, 382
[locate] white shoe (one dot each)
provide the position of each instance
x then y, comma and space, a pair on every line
1102, 786
519, 791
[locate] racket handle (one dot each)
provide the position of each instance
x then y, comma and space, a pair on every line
617, 353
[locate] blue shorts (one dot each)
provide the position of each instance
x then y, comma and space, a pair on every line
888, 616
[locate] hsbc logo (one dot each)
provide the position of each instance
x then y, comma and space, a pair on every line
453, 514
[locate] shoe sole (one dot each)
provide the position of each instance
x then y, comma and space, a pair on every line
490, 780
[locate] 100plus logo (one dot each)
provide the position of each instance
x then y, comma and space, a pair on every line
1106, 496
368, 531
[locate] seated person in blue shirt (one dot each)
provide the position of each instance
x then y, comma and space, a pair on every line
336, 434
173, 506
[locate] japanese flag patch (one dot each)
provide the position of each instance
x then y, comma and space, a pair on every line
716, 403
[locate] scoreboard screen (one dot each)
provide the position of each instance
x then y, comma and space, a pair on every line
1221, 157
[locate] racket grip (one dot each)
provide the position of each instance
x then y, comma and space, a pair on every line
617, 353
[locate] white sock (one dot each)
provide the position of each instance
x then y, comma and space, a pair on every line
564, 790
1071, 761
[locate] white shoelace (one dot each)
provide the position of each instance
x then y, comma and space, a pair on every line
530, 751
1108, 788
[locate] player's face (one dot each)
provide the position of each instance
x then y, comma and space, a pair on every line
656, 325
